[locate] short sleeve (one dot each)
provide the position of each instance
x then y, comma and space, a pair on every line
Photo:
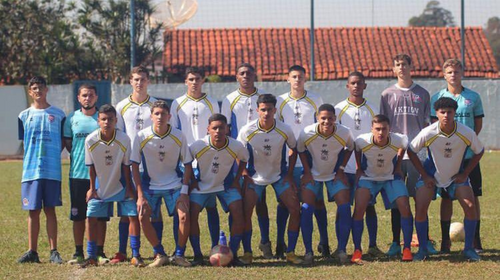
242, 138
67, 130
20, 129
186, 156
290, 141
349, 141
301, 146
173, 112
88, 156
478, 108
418, 142
126, 156
242, 153
476, 146
226, 109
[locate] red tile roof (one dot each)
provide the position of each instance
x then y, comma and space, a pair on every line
337, 50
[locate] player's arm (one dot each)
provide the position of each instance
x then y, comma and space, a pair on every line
359, 171
142, 202
292, 160
129, 190
478, 125
92, 192
307, 176
68, 143
340, 174
397, 166
429, 181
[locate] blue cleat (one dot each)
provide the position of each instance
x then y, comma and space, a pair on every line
420, 256
430, 248
394, 250
471, 255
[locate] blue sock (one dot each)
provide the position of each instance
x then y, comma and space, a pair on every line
158, 226
123, 237
213, 225
195, 243
264, 229
179, 251
234, 244
344, 225
470, 230
92, 249
357, 233
135, 245
281, 219
306, 225
292, 240
407, 227
337, 225
175, 228
247, 241
422, 228
372, 227
322, 221
159, 249
230, 221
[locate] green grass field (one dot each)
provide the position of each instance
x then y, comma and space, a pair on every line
13, 243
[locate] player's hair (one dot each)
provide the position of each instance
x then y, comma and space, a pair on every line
380, 119
266, 98
106, 109
296, 68
445, 103
194, 71
37, 80
247, 65
217, 117
160, 104
138, 70
402, 56
453, 62
357, 74
87, 86
326, 107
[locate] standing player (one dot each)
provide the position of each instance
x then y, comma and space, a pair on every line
357, 113
407, 105
161, 148
77, 127
447, 142
216, 154
267, 140
329, 146
378, 157
469, 112
298, 109
107, 154
40, 129
133, 114
189, 114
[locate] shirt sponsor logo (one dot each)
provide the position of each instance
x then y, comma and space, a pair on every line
416, 98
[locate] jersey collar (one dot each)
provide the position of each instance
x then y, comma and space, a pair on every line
383, 147
448, 135
293, 98
358, 106
164, 135
110, 141
197, 99
215, 148
248, 95
326, 137
264, 130
141, 103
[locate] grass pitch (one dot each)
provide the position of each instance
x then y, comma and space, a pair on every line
13, 243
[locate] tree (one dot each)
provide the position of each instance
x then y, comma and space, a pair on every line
492, 32
433, 15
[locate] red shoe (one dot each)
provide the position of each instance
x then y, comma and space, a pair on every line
118, 258
356, 257
407, 256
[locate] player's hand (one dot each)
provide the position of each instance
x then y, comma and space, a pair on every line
289, 179
340, 175
247, 180
143, 207
306, 178
460, 178
194, 185
429, 182
92, 194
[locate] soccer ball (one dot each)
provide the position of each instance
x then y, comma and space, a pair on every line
457, 232
221, 255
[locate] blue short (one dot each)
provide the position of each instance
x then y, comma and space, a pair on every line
104, 207
450, 190
390, 189
40, 193
278, 186
226, 197
154, 198
333, 187
351, 178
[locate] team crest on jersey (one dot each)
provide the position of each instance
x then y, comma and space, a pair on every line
215, 167
109, 160
139, 123
448, 153
52, 118
380, 162
416, 98
161, 155
324, 155
267, 150
195, 116
468, 102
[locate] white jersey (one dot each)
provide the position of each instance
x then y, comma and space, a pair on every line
240, 109
358, 118
160, 156
267, 150
132, 117
215, 164
446, 153
379, 162
325, 151
107, 158
298, 112
191, 115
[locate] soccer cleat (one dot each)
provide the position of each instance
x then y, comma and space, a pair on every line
308, 259
293, 259
471, 255
420, 256
247, 258
479, 250
394, 250
357, 257
280, 251
341, 256
430, 248
159, 260
445, 247
55, 257
375, 252
324, 250
29, 257
137, 262
180, 261
198, 260
77, 259
118, 258
236, 262
266, 250
102, 259
407, 256
89, 262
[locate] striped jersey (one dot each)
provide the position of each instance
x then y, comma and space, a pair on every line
240, 109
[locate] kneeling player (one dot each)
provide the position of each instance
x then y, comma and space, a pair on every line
160, 147
107, 153
378, 159
446, 142
216, 153
330, 146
